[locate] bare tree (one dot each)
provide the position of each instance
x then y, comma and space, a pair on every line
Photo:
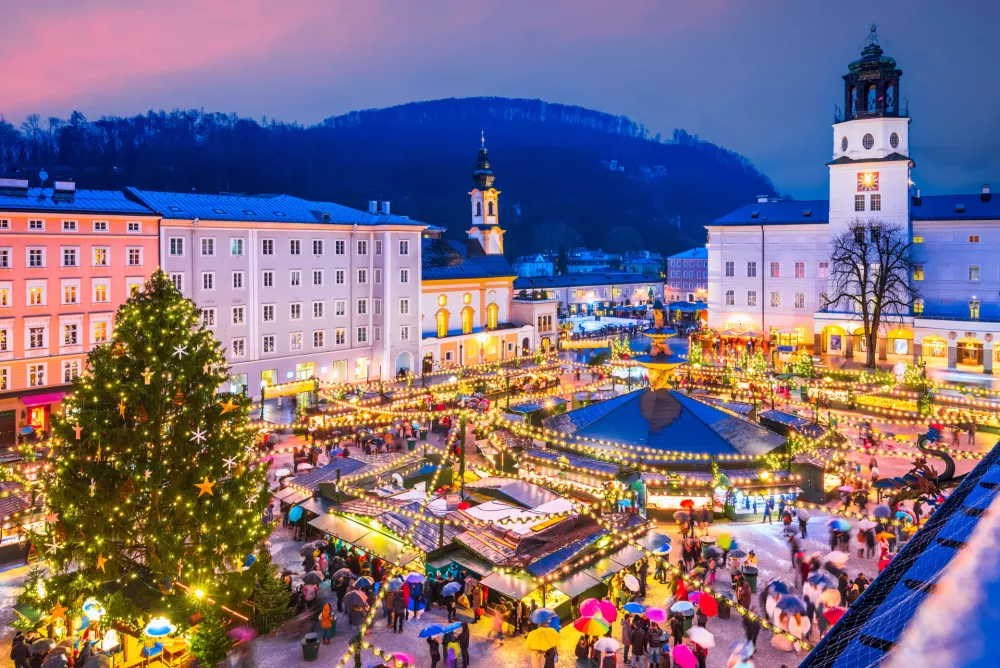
870, 277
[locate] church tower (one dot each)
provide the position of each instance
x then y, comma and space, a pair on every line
485, 205
870, 170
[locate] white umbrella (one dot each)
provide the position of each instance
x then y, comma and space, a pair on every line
846, 488
281, 473
631, 582
305, 467
866, 524
700, 636
803, 514
837, 558
607, 644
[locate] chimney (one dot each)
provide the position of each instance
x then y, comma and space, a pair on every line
761, 198
63, 190
385, 208
986, 196
14, 186
916, 199
373, 206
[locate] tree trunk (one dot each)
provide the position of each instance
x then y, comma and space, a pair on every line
872, 351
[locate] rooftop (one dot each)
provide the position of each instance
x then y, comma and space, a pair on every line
781, 212
578, 280
699, 253
445, 259
76, 201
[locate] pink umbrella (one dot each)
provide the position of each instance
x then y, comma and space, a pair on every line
608, 611
684, 657
590, 607
242, 633
405, 658
656, 615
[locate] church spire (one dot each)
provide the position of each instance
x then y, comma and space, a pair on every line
483, 176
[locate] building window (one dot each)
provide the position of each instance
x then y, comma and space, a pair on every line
208, 317
973, 238
100, 332
918, 306
492, 316
317, 277
69, 226
467, 297
775, 270
467, 319
71, 370
178, 281
404, 307
974, 272
36, 337
319, 338
208, 246
294, 247
69, 258
876, 203
800, 300
404, 275
295, 278
239, 347
177, 246
317, 246
751, 297
730, 298
775, 299
268, 279
800, 270
133, 227
377, 306
295, 311
208, 280
135, 257
36, 375
237, 280
267, 313
238, 315
823, 270
36, 225
70, 294
442, 323
4, 223
339, 277
751, 270
100, 226
338, 247
268, 343
918, 240
4, 378
236, 247
362, 247
319, 309
362, 276
362, 335
378, 251
404, 333
295, 341
101, 291
730, 269
340, 336
974, 308
36, 257
404, 247
918, 272
267, 246
36, 296
377, 275
100, 257
4, 258
442, 300
362, 307
340, 307
859, 202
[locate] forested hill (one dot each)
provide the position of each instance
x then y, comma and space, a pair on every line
568, 175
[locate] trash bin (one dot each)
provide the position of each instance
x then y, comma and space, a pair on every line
750, 573
706, 543
724, 609
411, 444
310, 647
423, 433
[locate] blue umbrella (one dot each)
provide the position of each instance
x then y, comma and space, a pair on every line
455, 626
635, 608
362, 582
839, 524
394, 585
682, 607
824, 580
451, 589
541, 616
555, 623
779, 587
791, 605
432, 630
882, 511
414, 606
295, 514
414, 578
27, 430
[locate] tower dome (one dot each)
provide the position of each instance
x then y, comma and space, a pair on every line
871, 85
483, 176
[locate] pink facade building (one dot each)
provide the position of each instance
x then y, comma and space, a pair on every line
68, 259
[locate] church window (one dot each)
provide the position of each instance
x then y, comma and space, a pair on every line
467, 314
479, 208
843, 144
890, 97
872, 95
492, 316
894, 140
491, 208
442, 323
854, 101
467, 298
442, 300
868, 141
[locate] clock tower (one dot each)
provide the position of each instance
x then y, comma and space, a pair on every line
870, 170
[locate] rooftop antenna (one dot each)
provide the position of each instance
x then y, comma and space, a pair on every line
43, 176
872, 35
482, 139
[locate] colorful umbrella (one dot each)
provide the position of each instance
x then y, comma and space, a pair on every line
779, 587
355, 598
724, 541
607, 645
705, 602
684, 657
363, 582
837, 558
885, 535
414, 578
682, 607
590, 607
830, 597
792, 605
905, 515
631, 582
822, 580
542, 639
687, 503
541, 615
699, 635
635, 608
834, 613
656, 615
408, 659
591, 626
882, 511
432, 630
839, 524
609, 612
846, 488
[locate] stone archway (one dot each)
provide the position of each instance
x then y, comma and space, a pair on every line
525, 345
404, 363
428, 362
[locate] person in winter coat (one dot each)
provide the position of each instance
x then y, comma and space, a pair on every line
639, 644
19, 654
477, 601
463, 643
434, 647
449, 602
701, 653
497, 622
744, 595
626, 637
609, 660
327, 622
751, 629
677, 629
341, 590
398, 612
842, 587
405, 592
550, 658
852, 595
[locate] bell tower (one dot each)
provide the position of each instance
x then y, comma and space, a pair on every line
870, 170
485, 204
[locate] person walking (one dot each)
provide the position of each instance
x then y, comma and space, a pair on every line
463, 643
677, 629
328, 623
626, 637
701, 653
639, 643
744, 595
449, 602
19, 653
803, 522
655, 639
477, 602
660, 575
398, 612
497, 622
767, 512
643, 576
751, 628
434, 647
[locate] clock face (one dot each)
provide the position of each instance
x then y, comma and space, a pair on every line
867, 182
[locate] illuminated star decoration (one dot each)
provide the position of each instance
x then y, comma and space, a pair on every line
205, 487
53, 546
58, 610
180, 352
101, 561
199, 435
230, 463
78, 429
121, 408
147, 374
228, 406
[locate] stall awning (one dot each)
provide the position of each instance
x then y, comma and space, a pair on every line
603, 569
340, 527
286, 493
389, 549
317, 505
576, 584
467, 561
511, 585
43, 399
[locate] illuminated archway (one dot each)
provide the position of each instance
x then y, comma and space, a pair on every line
442, 323
467, 319
492, 316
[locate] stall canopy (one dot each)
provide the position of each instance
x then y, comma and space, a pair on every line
471, 564
341, 527
603, 569
512, 585
290, 495
576, 584
387, 548
318, 505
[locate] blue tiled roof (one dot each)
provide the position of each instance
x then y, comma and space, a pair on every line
699, 253
578, 280
687, 425
79, 201
945, 207
873, 626
311, 479
445, 259
267, 208
778, 213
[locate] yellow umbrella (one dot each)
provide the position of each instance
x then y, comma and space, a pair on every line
724, 541
886, 535
543, 639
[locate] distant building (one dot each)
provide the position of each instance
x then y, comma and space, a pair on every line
534, 265
582, 294
582, 260
687, 276
647, 263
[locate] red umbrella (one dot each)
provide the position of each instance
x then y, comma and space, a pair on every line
687, 503
708, 605
834, 614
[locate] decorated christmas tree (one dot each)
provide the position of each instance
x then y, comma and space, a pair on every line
154, 478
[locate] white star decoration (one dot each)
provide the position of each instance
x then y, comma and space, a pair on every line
53, 546
180, 352
199, 435
230, 463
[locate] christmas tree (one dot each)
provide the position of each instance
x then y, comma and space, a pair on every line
155, 476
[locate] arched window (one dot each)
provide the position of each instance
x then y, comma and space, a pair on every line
442, 323
890, 97
854, 101
467, 298
491, 208
467, 316
872, 99
442, 300
479, 208
492, 316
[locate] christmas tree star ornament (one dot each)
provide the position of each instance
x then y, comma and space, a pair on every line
228, 406
101, 561
121, 408
205, 487
180, 351
199, 435
58, 610
147, 375
78, 430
